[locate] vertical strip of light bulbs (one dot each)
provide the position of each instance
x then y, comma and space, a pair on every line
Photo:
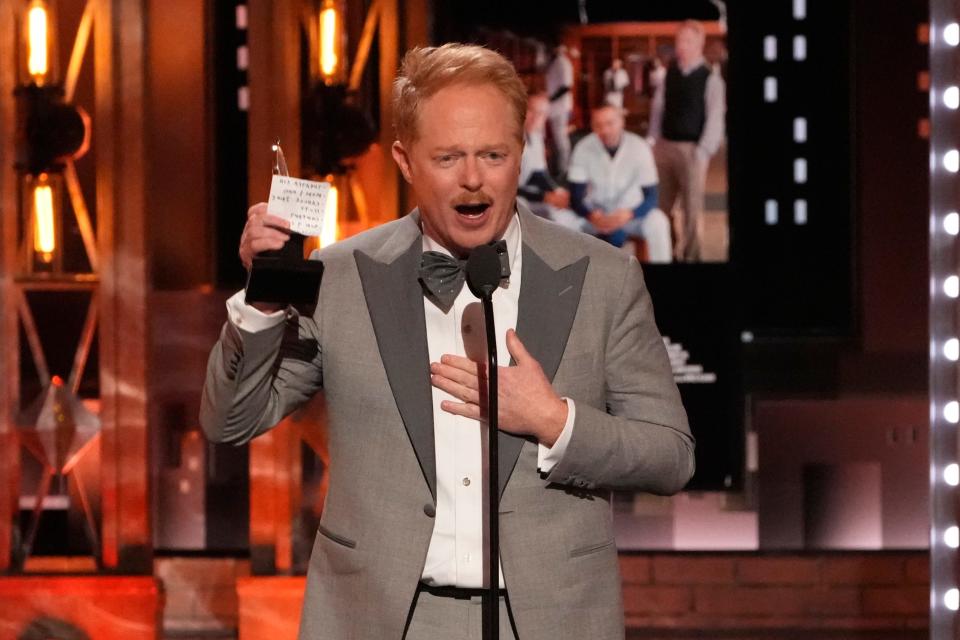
944, 342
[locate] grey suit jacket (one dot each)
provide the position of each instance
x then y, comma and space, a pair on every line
584, 313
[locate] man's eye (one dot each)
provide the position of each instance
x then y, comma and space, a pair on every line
495, 156
447, 160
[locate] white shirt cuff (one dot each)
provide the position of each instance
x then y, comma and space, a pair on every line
248, 318
548, 457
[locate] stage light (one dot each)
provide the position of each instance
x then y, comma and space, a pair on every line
43, 237
951, 474
951, 599
38, 41
951, 349
799, 129
770, 48
951, 286
951, 223
331, 42
951, 161
951, 34
800, 211
771, 212
799, 48
951, 537
951, 97
951, 412
800, 170
770, 89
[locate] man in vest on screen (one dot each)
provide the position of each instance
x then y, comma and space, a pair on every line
687, 128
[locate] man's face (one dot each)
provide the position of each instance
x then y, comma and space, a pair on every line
689, 46
607, 123
464, 165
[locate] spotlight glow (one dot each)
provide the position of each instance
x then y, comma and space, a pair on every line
951, 161
951, 97
951, 34
951, 474
951, 349
951, 599
951, 412
951, 537
951, 223
951, 286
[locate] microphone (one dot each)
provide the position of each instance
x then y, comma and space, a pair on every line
483, 271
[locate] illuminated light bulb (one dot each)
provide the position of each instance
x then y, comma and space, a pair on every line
328, 233
951, 474
951, 97
951, 286
951, 537
43, 230
951, 161
37, 35
951, 34
951, 412
951, 349
951, 223
951, 599
328, 40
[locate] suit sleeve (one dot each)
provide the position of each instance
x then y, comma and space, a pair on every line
642, 441
254, 380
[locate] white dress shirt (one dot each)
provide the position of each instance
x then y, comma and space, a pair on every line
455, 554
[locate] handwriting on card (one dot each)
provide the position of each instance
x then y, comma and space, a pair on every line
301, 202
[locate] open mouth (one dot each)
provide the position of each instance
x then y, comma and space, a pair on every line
472, 210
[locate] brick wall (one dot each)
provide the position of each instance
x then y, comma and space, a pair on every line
875, 590
662, 591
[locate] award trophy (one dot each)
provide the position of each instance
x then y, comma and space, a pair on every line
283, 276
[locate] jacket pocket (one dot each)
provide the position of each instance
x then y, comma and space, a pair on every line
330, 535
591, 548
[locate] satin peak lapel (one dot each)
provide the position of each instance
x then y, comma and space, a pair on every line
395, 302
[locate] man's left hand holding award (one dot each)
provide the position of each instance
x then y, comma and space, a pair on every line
271, 247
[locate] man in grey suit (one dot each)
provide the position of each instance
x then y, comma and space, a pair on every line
588, 405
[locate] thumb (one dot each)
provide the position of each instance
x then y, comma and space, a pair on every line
517, 351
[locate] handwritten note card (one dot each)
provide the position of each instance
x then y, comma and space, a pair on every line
302, 202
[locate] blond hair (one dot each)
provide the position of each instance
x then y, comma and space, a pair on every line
426, 70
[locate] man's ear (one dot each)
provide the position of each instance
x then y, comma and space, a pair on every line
402, 159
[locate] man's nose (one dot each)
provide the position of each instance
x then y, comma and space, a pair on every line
471, 177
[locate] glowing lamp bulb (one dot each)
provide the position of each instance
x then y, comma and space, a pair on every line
951, 599
37, 37
951, 474
951, 161
328, 41
951, 537
951, 34
951, 412
951, 97
951, 223
43, 236
951, 349
951, 286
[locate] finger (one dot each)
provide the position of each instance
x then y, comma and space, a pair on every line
455, 389
466, 410
515, 347
266, 244
275, 222
466, 378
267, 233
258, 209
460, 362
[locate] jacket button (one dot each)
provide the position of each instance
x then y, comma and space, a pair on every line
429, 510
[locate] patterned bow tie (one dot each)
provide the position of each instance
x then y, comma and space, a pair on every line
442, 276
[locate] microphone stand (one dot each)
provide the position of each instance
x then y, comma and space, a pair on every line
484, 272
492, 605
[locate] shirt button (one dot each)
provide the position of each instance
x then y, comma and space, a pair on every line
238, 321
466, 482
